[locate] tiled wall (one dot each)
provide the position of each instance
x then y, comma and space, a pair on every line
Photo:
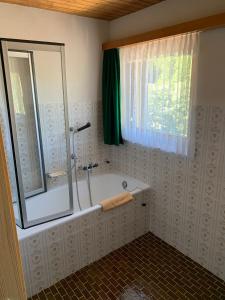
187, 202
88, 143
54, 253
27, 144
187, 205
89, 146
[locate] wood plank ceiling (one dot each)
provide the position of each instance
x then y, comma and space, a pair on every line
100, 9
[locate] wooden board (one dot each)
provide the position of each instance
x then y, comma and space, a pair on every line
11, 274
101, 9
202, 24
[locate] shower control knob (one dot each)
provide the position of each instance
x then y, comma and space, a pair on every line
124, 184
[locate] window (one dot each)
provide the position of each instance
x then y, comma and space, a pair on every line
156, 84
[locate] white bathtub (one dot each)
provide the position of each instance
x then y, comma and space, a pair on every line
53, 250
102, 186
105, 186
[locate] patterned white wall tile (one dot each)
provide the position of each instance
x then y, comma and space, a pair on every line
53, 254
187, 201
89, 145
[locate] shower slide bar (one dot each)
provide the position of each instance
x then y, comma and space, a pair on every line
73, 131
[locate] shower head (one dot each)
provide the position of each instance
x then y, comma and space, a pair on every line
84, 127
72, 129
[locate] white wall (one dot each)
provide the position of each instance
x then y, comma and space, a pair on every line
211, 67
211, 62
83, 38
169, 12
48, 75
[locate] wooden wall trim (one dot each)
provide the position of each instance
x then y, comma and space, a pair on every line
12, 284
206, 23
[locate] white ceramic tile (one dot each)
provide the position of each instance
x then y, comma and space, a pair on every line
187, 206
64, 248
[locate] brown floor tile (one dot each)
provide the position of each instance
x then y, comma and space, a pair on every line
145, 269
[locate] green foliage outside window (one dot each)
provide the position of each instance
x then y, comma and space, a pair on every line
169, 79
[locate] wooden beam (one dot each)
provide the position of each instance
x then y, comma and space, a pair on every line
206, 23
12, 284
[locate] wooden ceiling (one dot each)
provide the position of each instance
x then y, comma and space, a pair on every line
100, 9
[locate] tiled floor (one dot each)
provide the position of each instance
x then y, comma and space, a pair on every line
147, 268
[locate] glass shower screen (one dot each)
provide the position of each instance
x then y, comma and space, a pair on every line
36, 103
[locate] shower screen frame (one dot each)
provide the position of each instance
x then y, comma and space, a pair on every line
8, 45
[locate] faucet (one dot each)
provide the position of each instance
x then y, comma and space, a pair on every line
89, 167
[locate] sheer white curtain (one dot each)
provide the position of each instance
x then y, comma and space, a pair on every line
157, 83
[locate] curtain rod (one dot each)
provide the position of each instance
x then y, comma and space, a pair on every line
206, 23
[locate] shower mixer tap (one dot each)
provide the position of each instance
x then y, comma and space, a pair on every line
89, 167
88, 170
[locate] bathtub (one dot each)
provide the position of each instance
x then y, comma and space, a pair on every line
102, 186
53, 250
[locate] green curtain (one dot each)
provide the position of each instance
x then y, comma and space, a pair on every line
111, 97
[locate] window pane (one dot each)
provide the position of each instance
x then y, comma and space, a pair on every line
156, 92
